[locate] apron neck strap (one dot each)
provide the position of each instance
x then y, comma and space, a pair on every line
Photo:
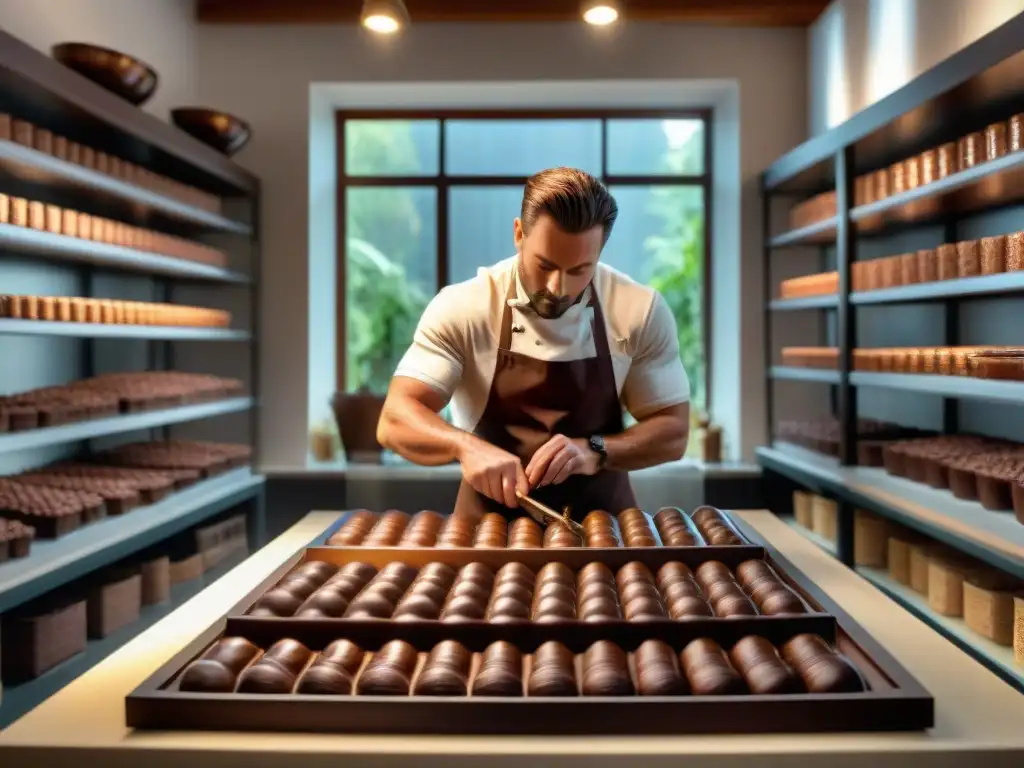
600, 332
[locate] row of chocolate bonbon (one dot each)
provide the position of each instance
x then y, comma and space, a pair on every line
670, 527
804, 663
715, 527
555, 593
76, 309
36, 137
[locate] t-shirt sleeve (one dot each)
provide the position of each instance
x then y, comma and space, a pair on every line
437, 354
656, 379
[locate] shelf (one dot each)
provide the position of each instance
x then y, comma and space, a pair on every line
63, 248
966, 287
104, 331
823, 544
54, 563
39, 89
989, 184
32, 165
794, 373
996, 657
980, 80
992, 390
19, 699
995, 538
825, 301
112, 425
819, 232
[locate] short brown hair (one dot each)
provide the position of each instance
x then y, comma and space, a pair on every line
576, 201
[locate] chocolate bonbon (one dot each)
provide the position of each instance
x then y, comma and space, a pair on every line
501, 671
552, 671
821, 669
657, 670
445, 672
708, 670
389, 671
606, 671
762, 668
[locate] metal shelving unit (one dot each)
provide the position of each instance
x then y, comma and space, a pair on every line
99, 331
964, 93
38, 89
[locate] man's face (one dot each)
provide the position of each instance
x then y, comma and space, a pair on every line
556, 266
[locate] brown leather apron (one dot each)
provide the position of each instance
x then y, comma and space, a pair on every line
532, 400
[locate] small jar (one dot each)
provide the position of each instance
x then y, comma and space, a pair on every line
972, 150
929, 362
944, 361
1015, 140
929, 165
913, 360
892, 272
993, 255
1002, 364
909, 268
949, 162
947, 261
882, 184
995, 141
927, 265
897, 178
1015, 252
912, 172
968, 258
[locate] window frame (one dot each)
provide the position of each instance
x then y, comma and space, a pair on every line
442, 182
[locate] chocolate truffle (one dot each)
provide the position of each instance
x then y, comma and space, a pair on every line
645, 608
445, 672
389, 671
689, 607
207, 676
782, 601
657, 670
329, 602
361, 571
606, 671
558, 572
280, 602
672, 572
505, 608
633, 571
465, 607
762, 668
370, 605
821, 669
289, 654
266, 677
325, 680
553, 671
709, 572
513, 590
708, 670
233, 652
750, 571
734, 605
501, 671
417, 607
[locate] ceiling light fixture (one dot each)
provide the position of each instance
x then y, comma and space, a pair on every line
385, 17
600, 13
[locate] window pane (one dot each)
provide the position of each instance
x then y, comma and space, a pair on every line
658, 239
480, 228
520, 147
392, 147
391, 274
655, 147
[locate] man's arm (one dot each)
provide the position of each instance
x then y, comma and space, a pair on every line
661, 437
411, 427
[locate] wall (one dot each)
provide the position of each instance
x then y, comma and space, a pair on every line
265, 74
163, 33
861, 50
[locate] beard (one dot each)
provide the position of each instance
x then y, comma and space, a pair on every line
548, 305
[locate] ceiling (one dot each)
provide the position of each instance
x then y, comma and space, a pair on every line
749, 13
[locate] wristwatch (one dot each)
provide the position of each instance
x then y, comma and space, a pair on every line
597, 446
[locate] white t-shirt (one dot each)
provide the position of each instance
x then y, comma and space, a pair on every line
455, 347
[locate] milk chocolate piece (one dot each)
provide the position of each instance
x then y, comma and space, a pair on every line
266, 677
762, 668
207, 676
605, 671
445, 672
233, 652
708, 670
501, 671
389, 671
821, 669
553, 672
325, 680
657, 670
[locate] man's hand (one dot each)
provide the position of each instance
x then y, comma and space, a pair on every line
493, 472
558, 458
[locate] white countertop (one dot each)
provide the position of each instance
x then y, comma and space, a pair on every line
979, 720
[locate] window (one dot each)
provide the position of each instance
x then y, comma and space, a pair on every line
425, 199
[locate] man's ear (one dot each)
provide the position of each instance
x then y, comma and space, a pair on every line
518, 235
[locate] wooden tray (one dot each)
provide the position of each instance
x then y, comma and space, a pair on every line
894, 700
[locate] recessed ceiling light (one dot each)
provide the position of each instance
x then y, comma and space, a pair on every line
384, 17
600, 13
